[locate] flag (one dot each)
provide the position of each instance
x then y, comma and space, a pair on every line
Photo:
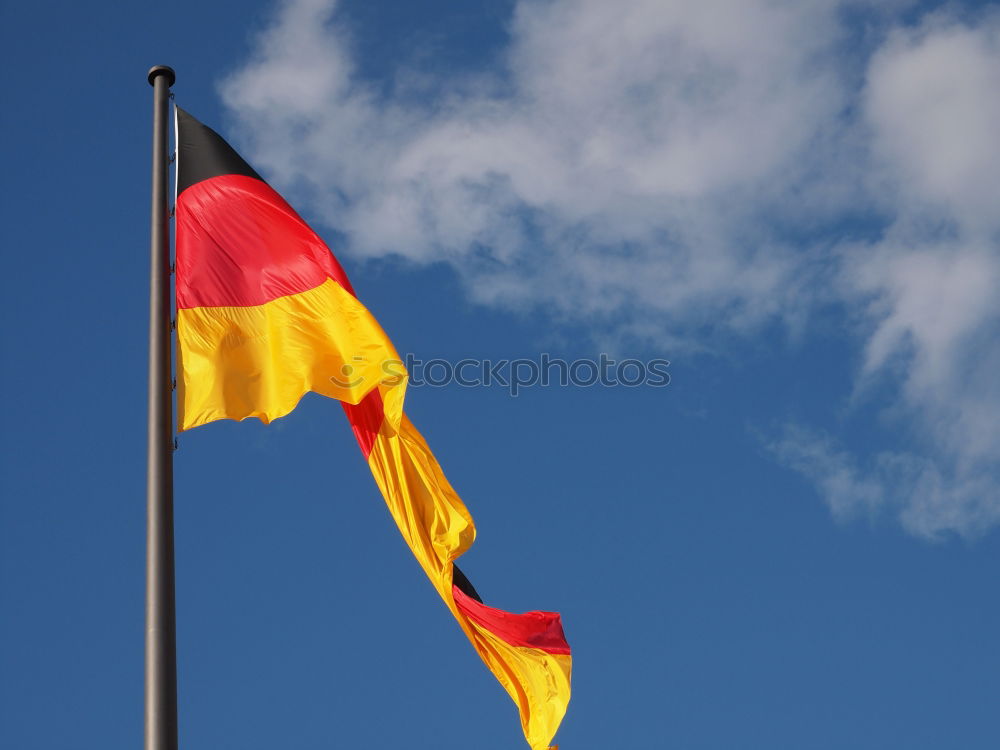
265, 314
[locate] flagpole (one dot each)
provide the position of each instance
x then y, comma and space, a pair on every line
161, 639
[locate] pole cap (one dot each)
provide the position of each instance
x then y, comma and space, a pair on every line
161, 70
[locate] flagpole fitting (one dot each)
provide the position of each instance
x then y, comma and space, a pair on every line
161, 70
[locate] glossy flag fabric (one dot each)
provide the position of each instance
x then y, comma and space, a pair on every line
265, 314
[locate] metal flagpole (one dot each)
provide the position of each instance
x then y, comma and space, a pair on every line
161, 639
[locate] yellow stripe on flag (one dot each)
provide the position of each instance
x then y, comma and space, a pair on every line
537, 681
239, 362
438, 528
429, 513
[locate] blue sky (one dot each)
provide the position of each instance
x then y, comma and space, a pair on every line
793, 545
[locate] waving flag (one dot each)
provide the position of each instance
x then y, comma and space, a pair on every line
265, 314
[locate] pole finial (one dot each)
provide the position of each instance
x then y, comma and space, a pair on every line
162, 70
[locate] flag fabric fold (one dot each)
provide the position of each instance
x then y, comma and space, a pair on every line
265, 314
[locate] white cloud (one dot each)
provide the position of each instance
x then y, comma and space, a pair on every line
929, 498
624, 151
928, 288
639, 167
846, 488
935, 122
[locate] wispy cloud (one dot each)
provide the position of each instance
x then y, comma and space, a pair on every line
928, 496
628, 151
672, 170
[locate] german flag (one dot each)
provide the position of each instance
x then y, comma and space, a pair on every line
265, 313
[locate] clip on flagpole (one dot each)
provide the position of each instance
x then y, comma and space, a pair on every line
161, 638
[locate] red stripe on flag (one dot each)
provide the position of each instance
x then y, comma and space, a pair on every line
239, 244
366, 419
541, 630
